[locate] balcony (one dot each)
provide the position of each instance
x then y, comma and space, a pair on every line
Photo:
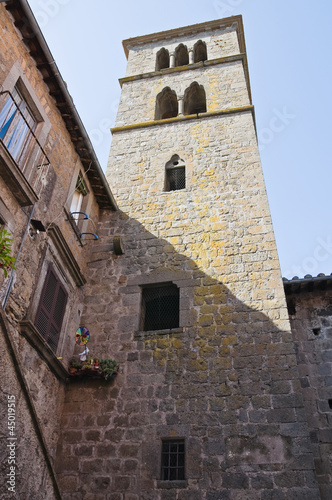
23, 162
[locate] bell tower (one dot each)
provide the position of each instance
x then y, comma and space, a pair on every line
209, 399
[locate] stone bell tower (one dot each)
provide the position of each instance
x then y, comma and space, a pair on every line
208, 402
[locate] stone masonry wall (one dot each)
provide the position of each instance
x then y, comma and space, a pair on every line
227, 379
219, 43
46, 391
224, 85
311, 321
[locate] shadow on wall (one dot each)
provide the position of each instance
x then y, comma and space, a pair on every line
224, 379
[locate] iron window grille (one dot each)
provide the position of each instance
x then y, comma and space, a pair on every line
173, 460
160, 307
51, 309
175, 178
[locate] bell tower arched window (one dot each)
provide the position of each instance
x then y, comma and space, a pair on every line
162, 61
166, 104
181, 55
200, 53
194, 100
175, 174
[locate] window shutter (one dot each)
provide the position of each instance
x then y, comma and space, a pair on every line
51, 309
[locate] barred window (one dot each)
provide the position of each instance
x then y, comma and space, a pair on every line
51, 309
160, 307
173, 460
175, 178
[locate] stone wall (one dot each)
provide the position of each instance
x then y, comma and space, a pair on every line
226, 381
311, 322
45, 390
224, 85
219, 43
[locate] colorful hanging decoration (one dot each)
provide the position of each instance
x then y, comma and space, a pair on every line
82, 336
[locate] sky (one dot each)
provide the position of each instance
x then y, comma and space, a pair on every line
289, 55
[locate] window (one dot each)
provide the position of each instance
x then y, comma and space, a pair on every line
173, 460
175, 178
166, 104
77, 200
17, 124
160, 307
181, 55
194, 100
200, 53
162, 59
23, 162
51, 309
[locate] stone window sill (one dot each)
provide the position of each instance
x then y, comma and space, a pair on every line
29, 331
168, 485
152, 333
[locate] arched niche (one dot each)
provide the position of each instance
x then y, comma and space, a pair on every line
166, 104
200, 52
181, 55
194, 100
162, 60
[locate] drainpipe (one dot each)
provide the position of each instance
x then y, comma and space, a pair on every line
12, 275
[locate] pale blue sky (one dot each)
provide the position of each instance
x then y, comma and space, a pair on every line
289, 53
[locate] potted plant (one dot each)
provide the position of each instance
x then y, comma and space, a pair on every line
94, 367
108, 368
74, 365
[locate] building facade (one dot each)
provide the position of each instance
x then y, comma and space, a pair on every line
48, 170
179, 281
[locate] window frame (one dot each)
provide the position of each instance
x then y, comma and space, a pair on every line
165, 470
42, 309
175, 163
80, 192
20, 174
144, 321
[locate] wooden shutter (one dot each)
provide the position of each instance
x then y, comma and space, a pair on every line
51, 309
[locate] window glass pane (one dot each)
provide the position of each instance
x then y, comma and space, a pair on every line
16, 124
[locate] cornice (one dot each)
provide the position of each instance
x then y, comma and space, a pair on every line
179, 119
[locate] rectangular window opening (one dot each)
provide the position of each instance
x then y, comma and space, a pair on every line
51, 309
175, 178
160, 307
77, 204
173, 460
17, 124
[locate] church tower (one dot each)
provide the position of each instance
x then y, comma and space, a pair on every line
208, 403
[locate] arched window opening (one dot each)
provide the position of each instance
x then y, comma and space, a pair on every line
162, 61
175, 177
166, 104
181, 55
194, 100
200, 53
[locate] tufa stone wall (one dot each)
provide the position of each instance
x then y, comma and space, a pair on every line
311, 322
220, 43
45, 390
226, 380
